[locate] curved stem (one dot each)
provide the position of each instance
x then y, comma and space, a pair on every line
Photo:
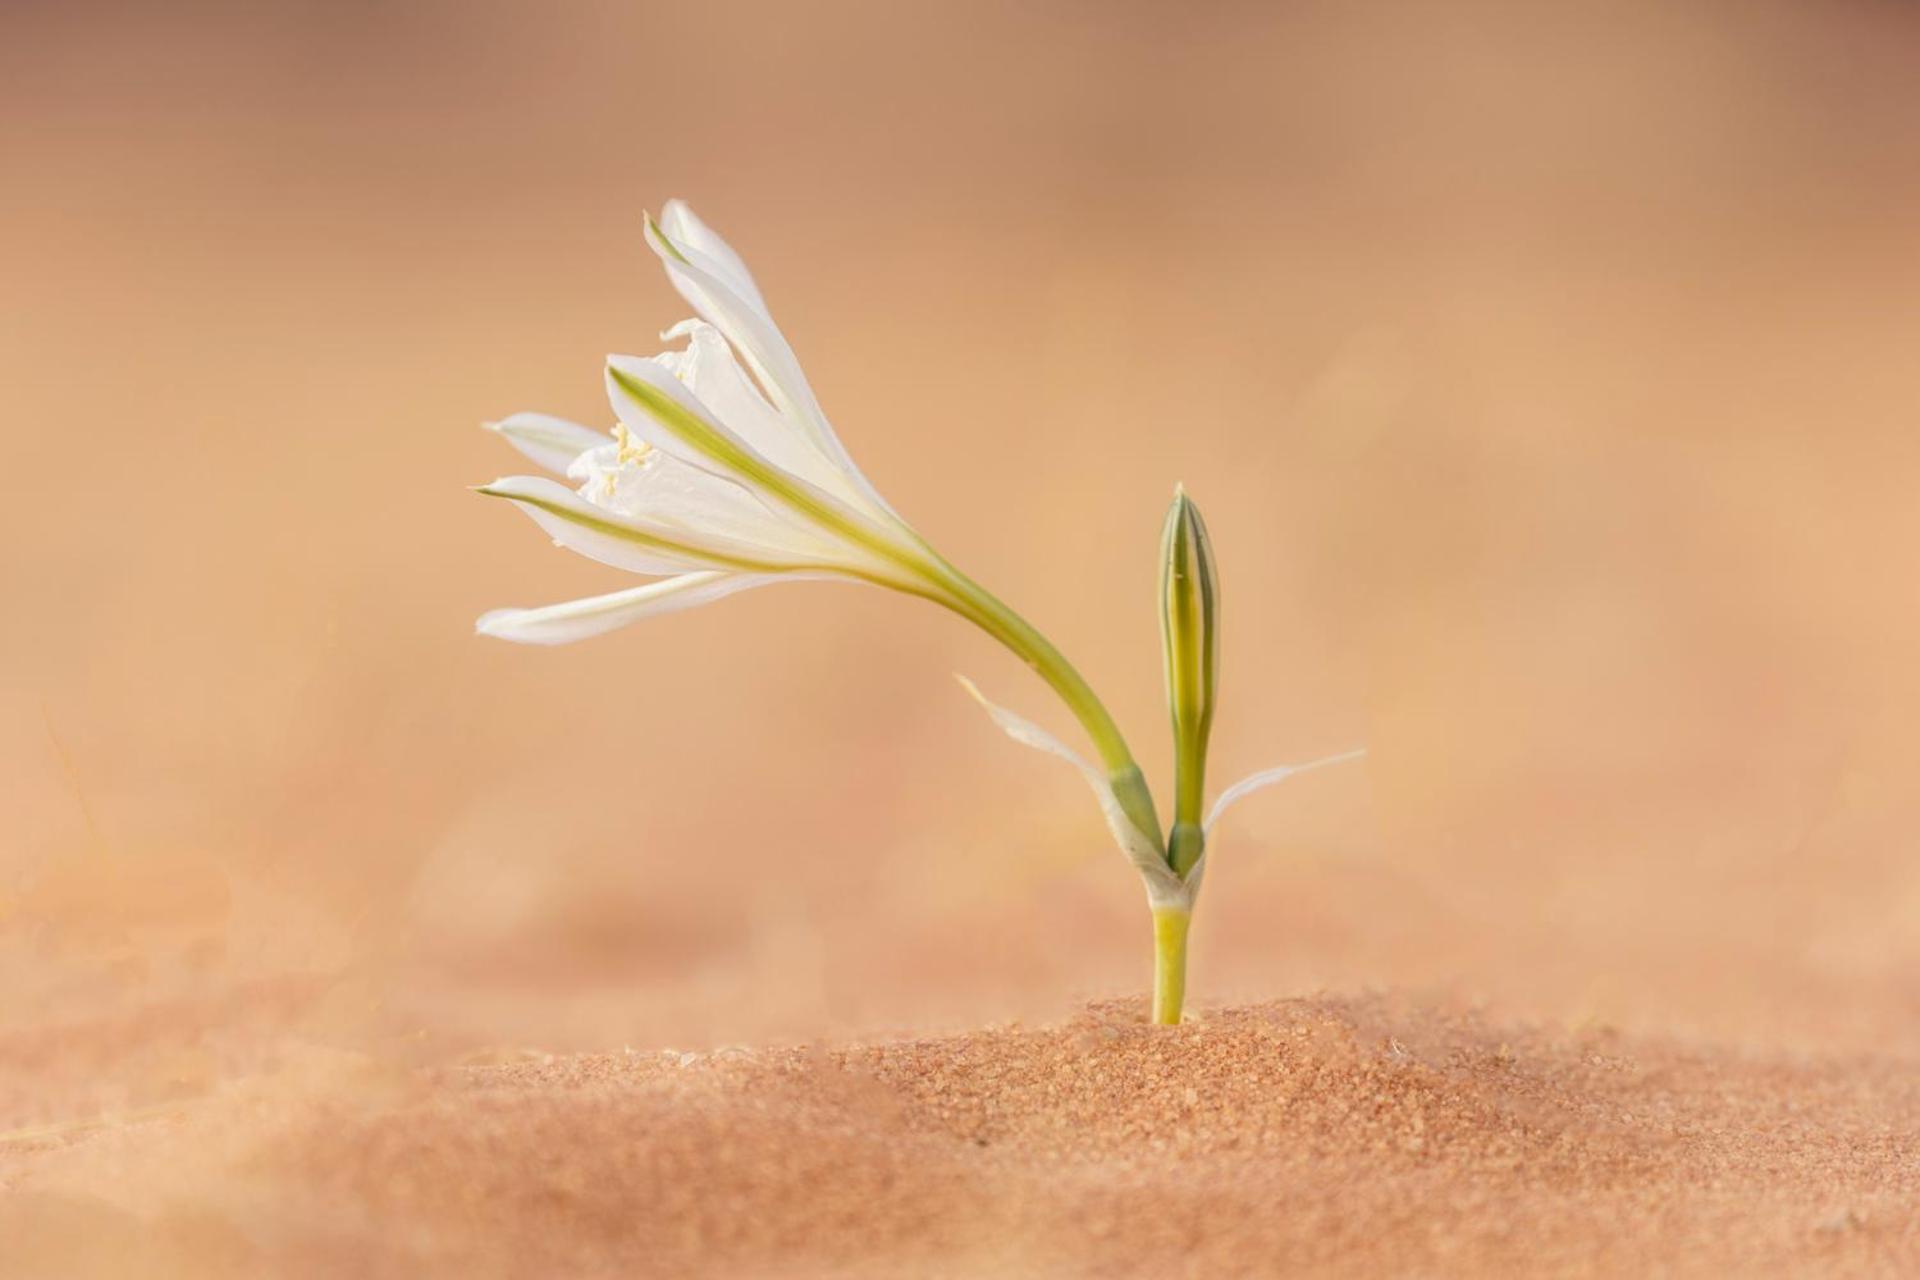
981, 607
986, 611
953, 588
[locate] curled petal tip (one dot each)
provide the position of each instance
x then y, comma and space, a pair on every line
663, 243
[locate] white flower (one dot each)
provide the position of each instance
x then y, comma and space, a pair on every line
717, 478
723, 474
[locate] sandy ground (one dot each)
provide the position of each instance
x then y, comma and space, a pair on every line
1307, 1137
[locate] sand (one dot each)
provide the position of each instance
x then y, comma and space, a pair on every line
1325, 1136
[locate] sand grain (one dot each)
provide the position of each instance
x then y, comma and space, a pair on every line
1358, 1136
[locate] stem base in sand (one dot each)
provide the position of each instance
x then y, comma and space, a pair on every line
1170, 926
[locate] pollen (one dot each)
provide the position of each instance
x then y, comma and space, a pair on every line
631, 450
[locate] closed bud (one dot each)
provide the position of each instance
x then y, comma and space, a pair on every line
1190, 638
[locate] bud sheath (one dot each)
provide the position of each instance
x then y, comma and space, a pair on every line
1190, 639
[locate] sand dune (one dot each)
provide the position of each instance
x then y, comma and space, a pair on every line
1328, 1136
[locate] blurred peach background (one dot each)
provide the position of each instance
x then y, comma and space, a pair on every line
1546, 375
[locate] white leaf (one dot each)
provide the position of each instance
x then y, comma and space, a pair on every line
1163, 887
1267, 777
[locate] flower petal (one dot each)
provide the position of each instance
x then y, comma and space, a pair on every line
1163, 887
684, 227
713, 286
1267, 777
596, 615
711, 372
549, 441
712, 278
664, 412
656, 489
622, 541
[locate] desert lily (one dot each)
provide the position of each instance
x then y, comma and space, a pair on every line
721, 474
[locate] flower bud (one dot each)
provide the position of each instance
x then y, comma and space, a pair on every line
1190, 638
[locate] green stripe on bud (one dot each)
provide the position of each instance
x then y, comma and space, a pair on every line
1190, 638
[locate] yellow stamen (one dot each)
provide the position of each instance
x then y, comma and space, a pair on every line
631, 450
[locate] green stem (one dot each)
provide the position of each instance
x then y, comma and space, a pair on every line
1170, 926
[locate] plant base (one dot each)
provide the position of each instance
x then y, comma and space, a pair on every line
1170, 926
